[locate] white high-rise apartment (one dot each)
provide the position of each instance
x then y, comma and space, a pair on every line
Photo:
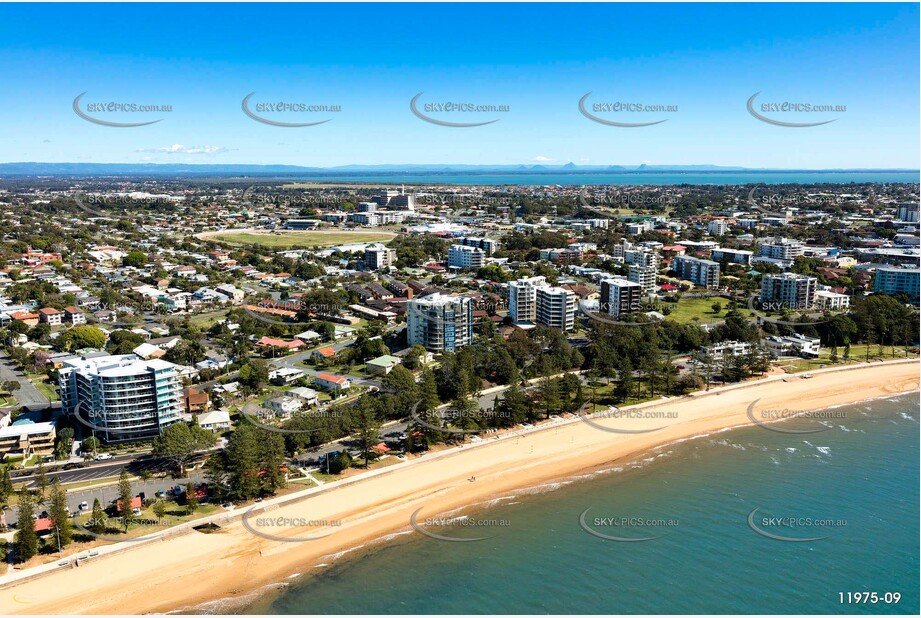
556, 308
122, 397
522, 299
439, 323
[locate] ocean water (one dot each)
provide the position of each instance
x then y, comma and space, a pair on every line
621, 178
860, 477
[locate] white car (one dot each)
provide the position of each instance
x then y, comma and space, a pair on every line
135, 511
103, 456
84, 505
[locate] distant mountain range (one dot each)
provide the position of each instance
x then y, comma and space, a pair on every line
175, 169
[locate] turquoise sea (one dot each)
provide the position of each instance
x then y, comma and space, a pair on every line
621, 178
860, 477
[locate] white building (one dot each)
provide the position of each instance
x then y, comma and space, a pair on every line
795, 345
439, 323
122, 397
717, 227
781, 248
462, 256
556, 308
832, 301
739, 256
378, 257
645, 276
522, 299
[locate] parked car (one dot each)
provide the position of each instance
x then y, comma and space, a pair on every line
103, 456
135, 511
84, 505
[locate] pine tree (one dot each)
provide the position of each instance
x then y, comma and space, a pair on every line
57, 512
41, 480
125, 496
97, 523
6, 485
26, 542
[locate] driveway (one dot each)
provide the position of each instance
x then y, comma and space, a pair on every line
27, 395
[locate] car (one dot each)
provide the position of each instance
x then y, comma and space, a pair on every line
227, 505
103, 456
84, 505
135, 511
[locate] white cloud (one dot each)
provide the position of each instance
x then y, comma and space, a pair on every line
190, 150
542, 159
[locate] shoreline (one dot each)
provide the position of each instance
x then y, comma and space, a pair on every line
233, 564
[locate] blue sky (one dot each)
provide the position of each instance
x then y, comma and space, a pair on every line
539, 60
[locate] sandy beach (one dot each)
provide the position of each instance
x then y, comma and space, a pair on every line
184, 571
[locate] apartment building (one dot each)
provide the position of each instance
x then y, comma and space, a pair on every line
378, 257
439, 323
832, 301
620, 296
704, 273
462, 256
781, 249
556, 308
737, 256
25, 438
522, 299
788, 291
897, 281
122, 397
644, 276
488, 245
641, 257
717, 227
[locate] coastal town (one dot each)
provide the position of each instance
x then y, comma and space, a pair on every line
174, 350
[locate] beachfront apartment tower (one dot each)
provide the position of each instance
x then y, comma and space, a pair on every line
620, 296
439, 323
121, 397
788, 291
522, 299
897, 281
556, 308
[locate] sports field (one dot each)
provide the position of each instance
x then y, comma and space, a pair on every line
289, 239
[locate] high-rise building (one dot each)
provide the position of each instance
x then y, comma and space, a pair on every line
897, 281
641, 257
439, 323
717, 227
462, 256
645, 276
781, 248
705, 273
908, 212
122, 397
378, 256
522, 299
619, 296
556, 308
788, 291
